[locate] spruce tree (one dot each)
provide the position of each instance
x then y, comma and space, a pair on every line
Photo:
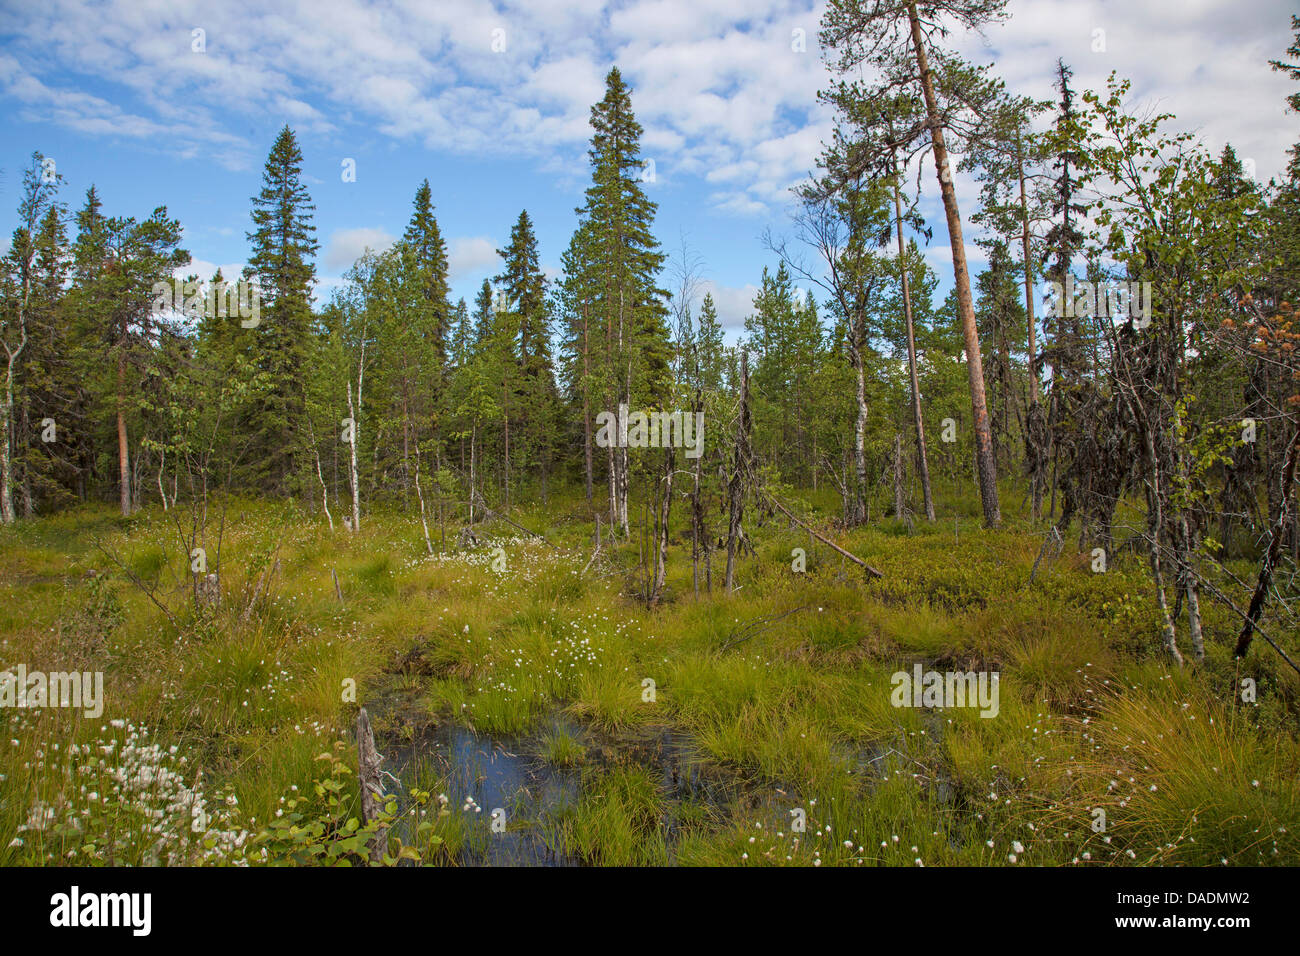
484, 316
626, 258
462, 334
709, 346
15, 332
581, 341
523, 286
424, 241
283, 244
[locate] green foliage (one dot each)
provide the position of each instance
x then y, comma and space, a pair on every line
324, 827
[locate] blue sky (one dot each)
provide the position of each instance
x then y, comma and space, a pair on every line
490, 101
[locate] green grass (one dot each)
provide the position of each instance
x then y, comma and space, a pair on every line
781, 692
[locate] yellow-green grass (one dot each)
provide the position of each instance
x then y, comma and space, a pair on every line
782, 688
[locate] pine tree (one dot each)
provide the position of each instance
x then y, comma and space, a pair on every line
20, 277
85, 308
48, 383
928, 96
118, 262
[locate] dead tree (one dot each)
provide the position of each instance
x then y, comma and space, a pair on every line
420, 493
372, 791
661, 544
739, 471
923, 459
699, 534
1267, 566
899, 505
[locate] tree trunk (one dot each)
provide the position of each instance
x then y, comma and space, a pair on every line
612, 467
661, 545
859, 512
923, 457
356, 483
1155, 505
6, 425
419, 492
586, 407
736, 486
697, 513
899, 506
123, 449
505, 419
985, 466
1029, 278
372, 791
406, 449
25, 485
324, 492
1266, 566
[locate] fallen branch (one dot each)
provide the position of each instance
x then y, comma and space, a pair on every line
758, 625
595, 551
1053, 536
148, 592
824, 540
263, 582
1231, 605
494, 514
1253, 624
1271, 555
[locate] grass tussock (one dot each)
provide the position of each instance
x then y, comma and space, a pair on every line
753, 728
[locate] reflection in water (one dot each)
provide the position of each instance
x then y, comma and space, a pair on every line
484, 773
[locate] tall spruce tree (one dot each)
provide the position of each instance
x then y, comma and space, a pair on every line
283, 246
423, 239
575, 306
523, 285
626, 258
462, 334
39, 190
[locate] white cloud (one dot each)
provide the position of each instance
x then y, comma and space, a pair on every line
717, 86
467, 256
737, 202
346, 246
205, 270
734, 304
96, 116
1205, 61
